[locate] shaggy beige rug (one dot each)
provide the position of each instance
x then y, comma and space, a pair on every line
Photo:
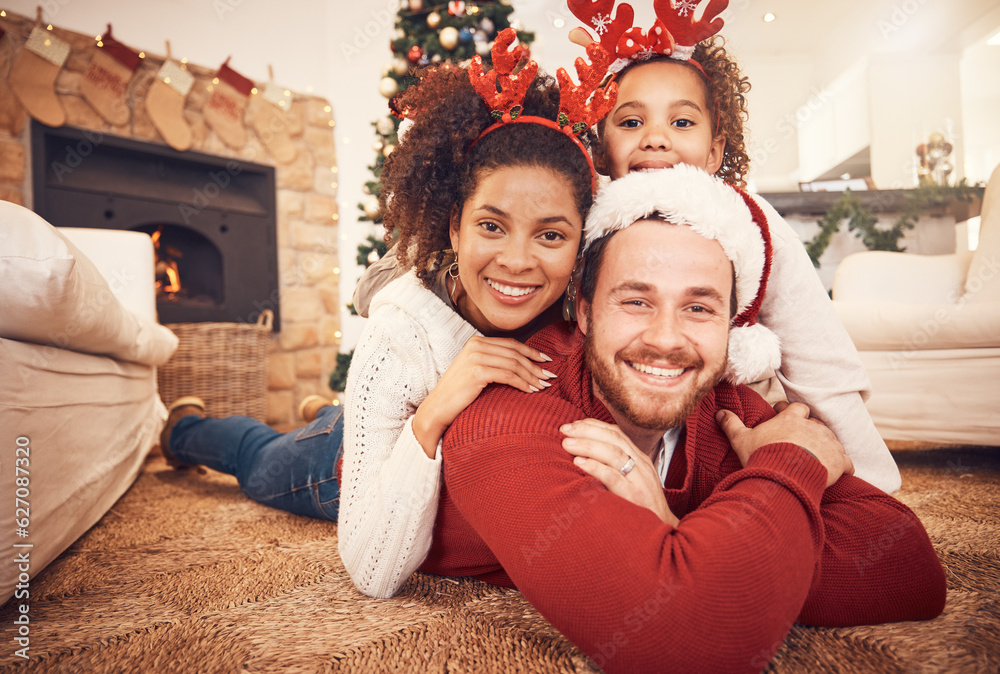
185, 574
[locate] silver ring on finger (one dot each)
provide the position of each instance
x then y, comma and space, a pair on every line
627, 468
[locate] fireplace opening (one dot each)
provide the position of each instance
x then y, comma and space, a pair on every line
189, 267
213, 218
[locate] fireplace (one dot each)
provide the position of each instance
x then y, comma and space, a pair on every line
212, 219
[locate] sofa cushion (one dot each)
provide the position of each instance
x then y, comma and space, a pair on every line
875, 326
983, 282
52, 294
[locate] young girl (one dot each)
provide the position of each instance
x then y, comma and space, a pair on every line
490, 216
681, 100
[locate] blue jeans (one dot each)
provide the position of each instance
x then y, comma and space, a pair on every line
294, 471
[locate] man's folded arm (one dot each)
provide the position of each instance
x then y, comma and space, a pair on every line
634, 593
878, 563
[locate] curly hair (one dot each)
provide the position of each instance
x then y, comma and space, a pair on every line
725, 94
438, 165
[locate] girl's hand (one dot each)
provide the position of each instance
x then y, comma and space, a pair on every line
602, 449
482, 361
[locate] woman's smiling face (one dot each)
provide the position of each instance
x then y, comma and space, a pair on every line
517, 239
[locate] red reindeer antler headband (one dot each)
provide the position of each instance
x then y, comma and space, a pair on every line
675, 33
580, 106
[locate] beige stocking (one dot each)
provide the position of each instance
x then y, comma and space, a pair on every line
33, 76
224, 113
165, 104
104, 86
272, 124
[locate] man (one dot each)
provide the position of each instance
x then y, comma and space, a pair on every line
695, 525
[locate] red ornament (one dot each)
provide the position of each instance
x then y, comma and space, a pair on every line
456, 8
415, 53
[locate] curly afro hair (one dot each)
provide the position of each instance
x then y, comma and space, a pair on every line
725, 93
438, 164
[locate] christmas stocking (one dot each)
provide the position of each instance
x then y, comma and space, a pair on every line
165, 104
106, 80
272, 125
11, 111
33, 76
226, 106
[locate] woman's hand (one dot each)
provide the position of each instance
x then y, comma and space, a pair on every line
482, 361
602, 449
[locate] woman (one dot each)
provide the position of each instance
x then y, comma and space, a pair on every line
509, 200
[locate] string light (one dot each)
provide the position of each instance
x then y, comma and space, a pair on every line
48, 27
336, 271
336, 402
337, 334
327, 108
215, 80
3, 12
253, 91
142, 54
333, 169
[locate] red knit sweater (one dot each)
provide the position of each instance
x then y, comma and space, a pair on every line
757, 548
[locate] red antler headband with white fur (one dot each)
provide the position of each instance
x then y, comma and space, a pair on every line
675, 33
580, 106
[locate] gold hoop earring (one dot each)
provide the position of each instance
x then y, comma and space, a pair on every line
569, 301
453, 275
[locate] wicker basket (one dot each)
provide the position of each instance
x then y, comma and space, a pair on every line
225, 364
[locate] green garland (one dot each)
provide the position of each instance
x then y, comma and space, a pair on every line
865, 224
338, 378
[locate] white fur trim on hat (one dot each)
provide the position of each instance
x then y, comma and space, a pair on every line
754, 353
686, 195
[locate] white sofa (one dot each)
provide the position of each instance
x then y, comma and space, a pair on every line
927, 328
79, 410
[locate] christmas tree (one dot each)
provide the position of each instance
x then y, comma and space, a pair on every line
426, 34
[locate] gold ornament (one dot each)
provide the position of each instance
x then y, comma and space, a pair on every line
388, 87
448, 37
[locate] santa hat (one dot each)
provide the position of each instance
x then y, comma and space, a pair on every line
686, 195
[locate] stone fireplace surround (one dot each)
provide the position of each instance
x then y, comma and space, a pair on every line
304, 352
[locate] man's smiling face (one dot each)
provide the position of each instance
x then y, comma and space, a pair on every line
657, 328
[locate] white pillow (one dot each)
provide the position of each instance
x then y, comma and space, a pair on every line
51, 294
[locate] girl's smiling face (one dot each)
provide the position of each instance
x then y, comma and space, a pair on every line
661, 119
517, 239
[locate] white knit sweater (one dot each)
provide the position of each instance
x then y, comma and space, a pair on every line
819, 364
389, 487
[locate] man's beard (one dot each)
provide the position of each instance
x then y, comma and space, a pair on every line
668, 410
